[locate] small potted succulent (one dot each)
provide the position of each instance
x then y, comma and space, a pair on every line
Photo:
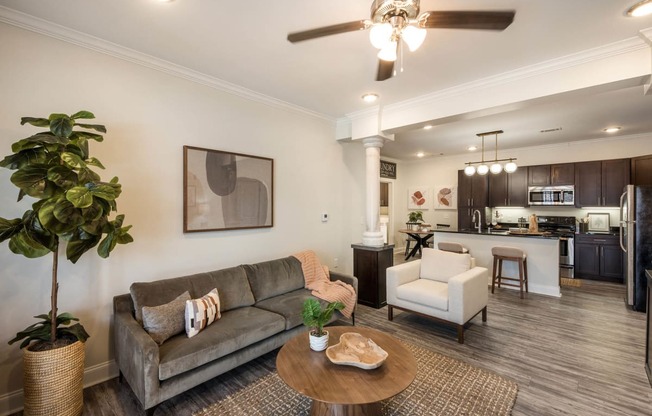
315, 317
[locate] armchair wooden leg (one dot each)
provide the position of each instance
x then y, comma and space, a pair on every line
460, 334
150, 411
493, 275
353, 318
484, 314
390, 312
121, 378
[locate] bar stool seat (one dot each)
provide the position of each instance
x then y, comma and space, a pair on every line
452, 247
503, 253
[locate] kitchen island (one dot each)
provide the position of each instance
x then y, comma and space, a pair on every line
542, 255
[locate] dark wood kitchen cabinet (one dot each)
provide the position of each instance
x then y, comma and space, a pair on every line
472, 194
508, 189
384, 194
598, 257
641, 169
550, 175
600, 183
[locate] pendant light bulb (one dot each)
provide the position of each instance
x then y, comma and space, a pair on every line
510, 167
496, 168
380, 35
483, 169
469, 170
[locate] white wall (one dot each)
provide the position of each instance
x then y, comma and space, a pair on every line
150, 115
443, 171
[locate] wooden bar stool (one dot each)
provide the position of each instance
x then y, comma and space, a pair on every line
452, 247
509, 254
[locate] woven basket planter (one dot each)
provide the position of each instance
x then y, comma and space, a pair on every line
53, 381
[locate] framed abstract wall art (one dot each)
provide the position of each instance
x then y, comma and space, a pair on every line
419, 197
445, 197
226, 191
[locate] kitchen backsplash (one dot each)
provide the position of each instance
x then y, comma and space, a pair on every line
512, 214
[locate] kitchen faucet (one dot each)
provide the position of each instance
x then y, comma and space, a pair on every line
479, 225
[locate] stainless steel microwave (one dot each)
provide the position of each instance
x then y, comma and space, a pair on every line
551, 195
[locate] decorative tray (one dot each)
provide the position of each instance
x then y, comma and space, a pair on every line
358, 351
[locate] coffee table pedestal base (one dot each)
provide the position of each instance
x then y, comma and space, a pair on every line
328, 409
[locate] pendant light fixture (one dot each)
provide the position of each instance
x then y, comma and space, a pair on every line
496, 167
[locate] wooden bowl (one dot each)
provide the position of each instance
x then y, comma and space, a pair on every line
357, 351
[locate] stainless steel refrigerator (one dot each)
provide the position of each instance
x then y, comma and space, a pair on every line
636, 241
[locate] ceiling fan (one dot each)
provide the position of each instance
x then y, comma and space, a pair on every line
395, 20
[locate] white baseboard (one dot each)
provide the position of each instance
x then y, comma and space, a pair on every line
13, 402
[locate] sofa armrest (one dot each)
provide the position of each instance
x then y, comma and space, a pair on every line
136, 353
467, 294
346, 278
400, 275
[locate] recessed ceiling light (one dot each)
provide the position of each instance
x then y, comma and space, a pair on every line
611, 129
642, 8
472, 148
420, 154
427, 127
370, 98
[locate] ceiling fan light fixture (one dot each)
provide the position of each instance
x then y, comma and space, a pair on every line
388, 53
380, 35
642, 8
413, 37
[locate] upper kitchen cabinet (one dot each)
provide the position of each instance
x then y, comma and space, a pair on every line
641, 168
600, 183
546, 175
472, 194
508, 189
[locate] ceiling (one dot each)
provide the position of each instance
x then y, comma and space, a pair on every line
247, 46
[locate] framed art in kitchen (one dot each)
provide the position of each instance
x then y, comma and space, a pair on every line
226, 191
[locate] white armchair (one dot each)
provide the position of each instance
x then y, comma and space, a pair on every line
442, 285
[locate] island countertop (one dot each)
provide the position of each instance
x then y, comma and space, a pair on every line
497, 232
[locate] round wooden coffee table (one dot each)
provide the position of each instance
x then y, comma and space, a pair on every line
341, 389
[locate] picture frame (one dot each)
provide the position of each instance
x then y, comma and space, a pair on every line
445, 197
599, 222
419, 197
226, 190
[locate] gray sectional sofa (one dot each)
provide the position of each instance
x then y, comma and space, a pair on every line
261, 309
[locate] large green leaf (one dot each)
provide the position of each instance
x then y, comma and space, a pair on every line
35, 121
96, 127
77, 247
63, 177
84, 135
93, 213
80, 196
37, 140
8, 228
87, 175
66, 212
61, 125
82, 114
49, 220
73, 160
33, 181
37, 232
22, 243
94, 162
23, 158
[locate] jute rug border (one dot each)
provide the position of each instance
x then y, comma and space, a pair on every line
443, 386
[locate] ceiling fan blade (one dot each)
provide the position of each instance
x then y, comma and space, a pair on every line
327, 31
385, 70
469, 20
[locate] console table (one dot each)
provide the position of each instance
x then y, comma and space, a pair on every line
369, 266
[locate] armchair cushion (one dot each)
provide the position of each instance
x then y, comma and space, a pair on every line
441, 265
425, 292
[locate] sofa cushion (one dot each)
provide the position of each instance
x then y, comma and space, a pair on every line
231, 283
289, 305
425, 292
442, 265
164, 321
199, 313
275, 277
236, 329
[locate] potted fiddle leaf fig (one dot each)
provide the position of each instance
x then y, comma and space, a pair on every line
315, 317
71, 210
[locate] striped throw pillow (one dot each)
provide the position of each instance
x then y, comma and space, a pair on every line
202, 312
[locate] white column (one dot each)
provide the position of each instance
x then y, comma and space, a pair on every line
372, 236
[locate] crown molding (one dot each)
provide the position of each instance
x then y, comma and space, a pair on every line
632, 44
56, 31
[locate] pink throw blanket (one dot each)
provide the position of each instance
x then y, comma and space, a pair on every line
318, 281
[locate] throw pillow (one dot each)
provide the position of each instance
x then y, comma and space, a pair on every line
202, 312
165, 321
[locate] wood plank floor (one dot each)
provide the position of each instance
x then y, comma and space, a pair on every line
581, 354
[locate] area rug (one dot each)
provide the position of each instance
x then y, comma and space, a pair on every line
443, 386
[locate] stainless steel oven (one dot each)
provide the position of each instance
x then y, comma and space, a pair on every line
564, 228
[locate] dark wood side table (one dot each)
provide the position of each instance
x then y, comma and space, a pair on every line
370, 267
